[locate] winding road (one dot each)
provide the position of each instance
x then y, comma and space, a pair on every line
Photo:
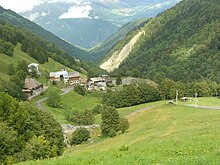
65, 91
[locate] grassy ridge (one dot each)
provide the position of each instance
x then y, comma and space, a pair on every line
166, 134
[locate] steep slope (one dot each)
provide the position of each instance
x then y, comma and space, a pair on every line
182, 43
116, 59
99, 52
17, 20
89, 22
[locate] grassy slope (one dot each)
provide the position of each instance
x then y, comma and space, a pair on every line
19, 56
206, 101
72, 102
166, 134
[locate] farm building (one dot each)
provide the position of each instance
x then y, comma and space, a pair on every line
63, 75
32, 87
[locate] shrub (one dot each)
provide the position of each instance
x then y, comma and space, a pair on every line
80, 90
79, 136
81, 118
54, 99
110, 121
112, 133
123, 124
97, 109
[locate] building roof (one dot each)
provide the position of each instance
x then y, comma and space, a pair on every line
31, 83
96, 79
74, 74
58, 74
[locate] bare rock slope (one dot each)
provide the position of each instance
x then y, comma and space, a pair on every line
117, 58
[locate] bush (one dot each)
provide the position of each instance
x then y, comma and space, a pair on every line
81, 118
80, 90
110, 121
97, 109
79, 136
123, 125
54, 99
112, 133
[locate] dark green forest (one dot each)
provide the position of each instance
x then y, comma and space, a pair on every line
182, 43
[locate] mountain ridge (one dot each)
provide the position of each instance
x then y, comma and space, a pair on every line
15, 19
102, 18
176, 41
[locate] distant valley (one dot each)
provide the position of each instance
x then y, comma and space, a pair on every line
87, 23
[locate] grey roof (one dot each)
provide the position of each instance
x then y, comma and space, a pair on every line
74, 74
96, 79
31, 83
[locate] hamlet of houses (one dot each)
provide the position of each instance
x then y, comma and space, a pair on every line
98, 83
33, 88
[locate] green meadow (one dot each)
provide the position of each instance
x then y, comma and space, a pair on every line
163, 134
71, 102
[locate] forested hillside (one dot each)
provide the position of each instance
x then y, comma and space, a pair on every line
182, 43
19, 21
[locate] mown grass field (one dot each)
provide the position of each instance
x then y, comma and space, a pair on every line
205, 101
164, 134
72, 102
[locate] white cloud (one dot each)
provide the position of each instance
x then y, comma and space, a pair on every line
81, 11
33, 16
107, 1
19, 5
159, 5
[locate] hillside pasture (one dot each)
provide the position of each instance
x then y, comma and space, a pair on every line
164, 134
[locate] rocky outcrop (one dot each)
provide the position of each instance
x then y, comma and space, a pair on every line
117, 58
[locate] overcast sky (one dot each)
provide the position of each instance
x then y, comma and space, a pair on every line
25, 5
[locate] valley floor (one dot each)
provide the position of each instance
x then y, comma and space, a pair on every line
162, 134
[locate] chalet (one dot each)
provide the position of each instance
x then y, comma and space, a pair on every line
59, 76
74, 78
63, 75
32, 87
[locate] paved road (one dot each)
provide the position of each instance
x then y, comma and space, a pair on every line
39, 103
65, 91
203, 107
